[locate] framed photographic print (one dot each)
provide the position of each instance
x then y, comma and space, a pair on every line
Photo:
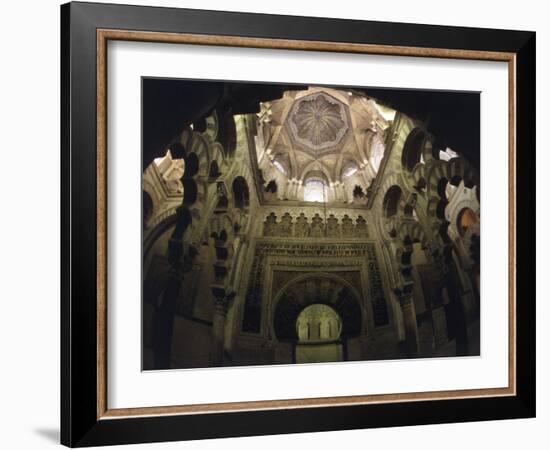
273, 224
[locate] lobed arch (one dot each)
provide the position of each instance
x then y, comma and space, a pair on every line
454, 171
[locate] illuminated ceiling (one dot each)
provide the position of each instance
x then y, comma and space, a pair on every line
325, 135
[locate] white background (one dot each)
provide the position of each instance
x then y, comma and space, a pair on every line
29, 319
129, 387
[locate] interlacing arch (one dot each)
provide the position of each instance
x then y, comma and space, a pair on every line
218, 164
241, 222
391, 206
416, 150
439, 174
460, 170
222, 234
365, 149
400, 227
419, 176
409, 232
212, 126
204, 161
415, 154
454, 171
413, 230
226, 132
197, 157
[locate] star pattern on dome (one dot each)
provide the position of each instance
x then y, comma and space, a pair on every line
318, 122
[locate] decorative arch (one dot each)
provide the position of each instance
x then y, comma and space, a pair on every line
413, 149
221, 231
467, 220
374, 150
214, 171
227, 132
212, 126
414, 231
282, 164
315, 169
316, 288
391, 205
147, 208
198, 153
197, 159
217, 162
271, 187
316, 186
454, 171
410, 232
318, 322
349, 168
420, 178
241, 194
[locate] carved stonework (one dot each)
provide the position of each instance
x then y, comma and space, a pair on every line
318, 122
329, 256
285, 227
270, 225
317, 228
223, 200
379, 307
253, 300
347, 226
301, 228
333, 229
361, 227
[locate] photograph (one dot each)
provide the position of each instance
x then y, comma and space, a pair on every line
296, 224
271, 224
257, 225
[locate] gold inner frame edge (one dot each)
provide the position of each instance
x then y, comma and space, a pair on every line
103, 36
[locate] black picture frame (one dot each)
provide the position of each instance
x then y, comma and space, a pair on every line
80, 425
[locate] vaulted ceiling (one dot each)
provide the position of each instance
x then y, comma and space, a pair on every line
323, 133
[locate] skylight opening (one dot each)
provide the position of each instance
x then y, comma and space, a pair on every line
314, 191
279, 167
349, 171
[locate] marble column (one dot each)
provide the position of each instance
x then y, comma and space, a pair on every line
165, 312
456, 315
409, 320
222, 301
439, 324
163, 322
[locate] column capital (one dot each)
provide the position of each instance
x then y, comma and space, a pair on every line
222, 300
404, 296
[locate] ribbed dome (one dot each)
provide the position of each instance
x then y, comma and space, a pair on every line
320, 144
318, 121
